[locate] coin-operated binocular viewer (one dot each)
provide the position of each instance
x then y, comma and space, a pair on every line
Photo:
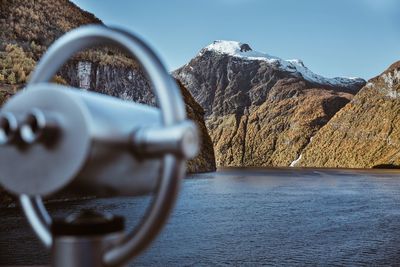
53, 137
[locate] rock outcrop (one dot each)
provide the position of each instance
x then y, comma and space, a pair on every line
366, 132
205, 161
125, 82
261, 110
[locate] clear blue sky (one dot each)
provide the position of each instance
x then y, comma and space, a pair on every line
333, 37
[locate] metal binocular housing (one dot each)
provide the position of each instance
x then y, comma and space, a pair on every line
66, 137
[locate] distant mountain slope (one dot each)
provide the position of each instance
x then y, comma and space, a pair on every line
40, 21
294, 67
261, 110
366, 132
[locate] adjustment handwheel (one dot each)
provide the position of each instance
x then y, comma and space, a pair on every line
173, 113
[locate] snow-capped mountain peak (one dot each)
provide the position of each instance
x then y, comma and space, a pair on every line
295, 66
237, 49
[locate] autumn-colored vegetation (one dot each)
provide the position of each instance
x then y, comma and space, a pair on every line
29, 27
15, 64
40, 21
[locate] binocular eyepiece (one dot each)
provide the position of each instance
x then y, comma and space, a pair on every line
8, 128
33, 126
39, 125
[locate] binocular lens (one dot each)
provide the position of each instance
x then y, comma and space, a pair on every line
8, 128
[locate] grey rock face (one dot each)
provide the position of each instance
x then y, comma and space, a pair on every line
261, 112
132, 84
122, 82
223, 84
245, 48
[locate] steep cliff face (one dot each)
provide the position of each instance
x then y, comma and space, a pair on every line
274, 133
124, 82
261, 110
366, 132
205, 161
132, 84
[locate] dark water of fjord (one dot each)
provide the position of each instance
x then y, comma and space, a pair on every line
253, 217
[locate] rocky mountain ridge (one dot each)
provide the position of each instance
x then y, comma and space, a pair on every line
261, 110
365, 133
295, 67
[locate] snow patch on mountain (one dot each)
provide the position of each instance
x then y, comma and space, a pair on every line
295, 66
294, 162
392, 80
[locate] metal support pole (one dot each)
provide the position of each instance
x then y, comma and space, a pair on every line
80, 241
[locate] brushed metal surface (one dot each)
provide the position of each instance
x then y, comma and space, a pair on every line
92, 151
